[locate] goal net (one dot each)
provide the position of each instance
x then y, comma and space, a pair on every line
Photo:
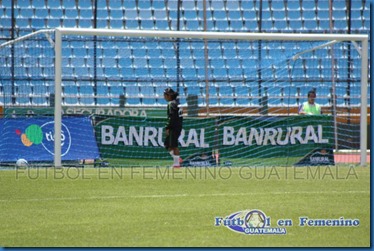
240, 93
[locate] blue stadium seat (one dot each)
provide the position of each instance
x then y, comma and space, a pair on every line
242, 94
279, 19
69, 4
25, 12
158, 5
133, 101
144, 5
132, 90
226, 94
53, 23
41, 13
159, 14
157, 73
274, 94
7, 91
38, 23
23, 93
213, 95
148, 95
192, 25
23, 4
71, 14
254, 89
116, 90
341, 93
84, 4
232, 6
217, 5
70, 23
147, 90
131, 14
23, 23
340, 25
194, 90
56, 13
145, 13
289, 95
103, 101
87, 100
309, 6
86, 14
323, 95
86, 89
168, 52
38, 100
147, 24
70, 93
109, 5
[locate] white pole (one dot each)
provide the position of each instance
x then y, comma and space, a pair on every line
212, 35
364, 89
58, 101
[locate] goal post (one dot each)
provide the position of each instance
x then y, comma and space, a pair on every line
60, 32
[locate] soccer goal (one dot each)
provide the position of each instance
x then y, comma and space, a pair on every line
241, 92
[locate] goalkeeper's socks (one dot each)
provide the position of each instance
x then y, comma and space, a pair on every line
176, 161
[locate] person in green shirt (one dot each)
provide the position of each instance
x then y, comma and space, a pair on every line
310, 107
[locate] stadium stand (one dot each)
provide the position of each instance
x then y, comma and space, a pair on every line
222, 15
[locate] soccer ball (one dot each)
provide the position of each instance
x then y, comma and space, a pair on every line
255, 219
22, 163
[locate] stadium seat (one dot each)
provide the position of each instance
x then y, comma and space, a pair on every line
158, 5
7, 91
147, 90
39, 100
213, 96
20, 22
23, 93
69, 4
70, 94
38, 23
242, 95
71, 14
194, 90
279, 19
87, 100
70, 23
83, 4
324, 96
226, 95
41, 13
55, 12
103, 94
290, 95
341, 93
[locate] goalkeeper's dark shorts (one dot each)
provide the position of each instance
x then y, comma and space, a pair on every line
171, 141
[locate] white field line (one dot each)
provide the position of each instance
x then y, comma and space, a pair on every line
160, 196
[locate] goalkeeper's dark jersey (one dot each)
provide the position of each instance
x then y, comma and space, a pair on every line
175, 116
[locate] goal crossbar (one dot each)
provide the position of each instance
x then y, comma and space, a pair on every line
59, 32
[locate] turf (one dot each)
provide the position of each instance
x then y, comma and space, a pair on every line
143, 207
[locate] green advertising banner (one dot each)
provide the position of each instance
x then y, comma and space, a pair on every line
268, 137
234, 137
135, 137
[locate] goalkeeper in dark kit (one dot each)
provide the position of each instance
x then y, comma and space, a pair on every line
173, 126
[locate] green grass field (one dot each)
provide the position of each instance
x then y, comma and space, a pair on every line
131, 207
